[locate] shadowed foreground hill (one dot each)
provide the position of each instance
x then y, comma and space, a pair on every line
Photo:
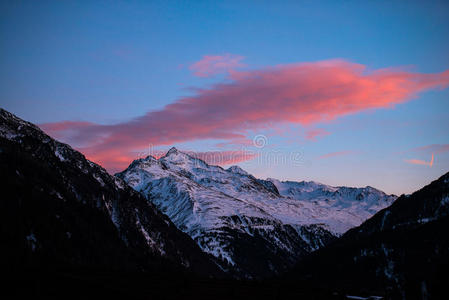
401, 252
61, 212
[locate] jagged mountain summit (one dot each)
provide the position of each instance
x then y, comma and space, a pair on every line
60, 210
254, 227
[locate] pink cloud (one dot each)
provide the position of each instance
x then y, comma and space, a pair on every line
333, 154
421, 162
304, 94
65, 125
211, 65
235, 142
314, 133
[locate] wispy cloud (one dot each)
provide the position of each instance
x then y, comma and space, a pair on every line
314, 133
211, 65
334, 154
434, 148
305, 93
421, 162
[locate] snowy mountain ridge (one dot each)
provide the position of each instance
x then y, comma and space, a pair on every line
225, 209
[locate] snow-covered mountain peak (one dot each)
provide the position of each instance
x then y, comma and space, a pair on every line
143, 163
172, 151
291, 188
181, 158
147, 159
150, 158
215, 206
305, 202
237, 170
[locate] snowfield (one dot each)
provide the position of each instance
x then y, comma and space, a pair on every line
214, 205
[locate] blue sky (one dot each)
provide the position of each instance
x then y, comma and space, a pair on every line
108, 63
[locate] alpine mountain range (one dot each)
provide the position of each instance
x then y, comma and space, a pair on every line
179, 215
230, 213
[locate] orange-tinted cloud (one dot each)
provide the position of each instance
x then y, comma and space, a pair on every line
305, 93
421, 162
333, 154
211, 65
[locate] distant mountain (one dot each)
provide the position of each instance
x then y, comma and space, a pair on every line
402, 252
255, 228
340, 208
60, 210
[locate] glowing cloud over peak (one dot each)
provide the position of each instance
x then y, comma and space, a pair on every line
304, 93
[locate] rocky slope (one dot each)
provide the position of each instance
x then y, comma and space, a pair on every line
402, 252
59, 210
255, 228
